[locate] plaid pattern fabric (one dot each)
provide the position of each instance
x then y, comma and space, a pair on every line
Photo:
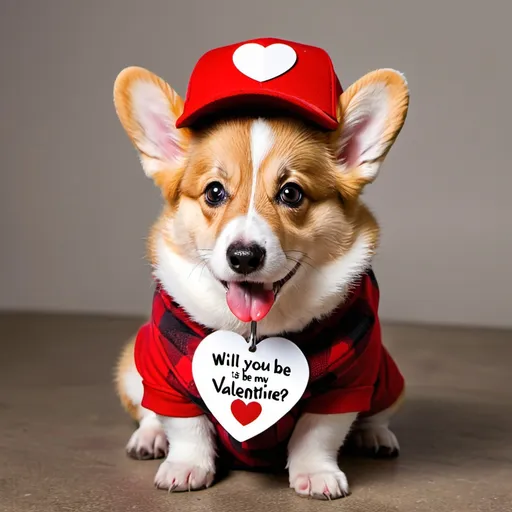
350, 370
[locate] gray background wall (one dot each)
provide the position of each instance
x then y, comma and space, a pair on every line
75, 206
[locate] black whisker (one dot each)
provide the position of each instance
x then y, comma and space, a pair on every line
304, 262
303, 255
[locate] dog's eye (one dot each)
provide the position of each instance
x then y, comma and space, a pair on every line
215, 194
291, 195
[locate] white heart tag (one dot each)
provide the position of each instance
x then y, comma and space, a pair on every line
264, 63
248, 392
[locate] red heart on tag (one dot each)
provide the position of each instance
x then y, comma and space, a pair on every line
245, 413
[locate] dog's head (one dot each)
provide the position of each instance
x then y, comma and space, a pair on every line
262, 217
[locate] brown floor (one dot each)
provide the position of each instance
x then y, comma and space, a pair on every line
62, 432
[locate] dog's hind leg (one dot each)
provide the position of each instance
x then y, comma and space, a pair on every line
149, 440
372, 436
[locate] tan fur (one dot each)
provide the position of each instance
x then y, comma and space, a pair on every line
299, 153
124, 365
398, 98
167, 181
223, 155
324, 227
398, 104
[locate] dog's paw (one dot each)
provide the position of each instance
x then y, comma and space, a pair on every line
147, 442
178, 476
322, 485
376, 441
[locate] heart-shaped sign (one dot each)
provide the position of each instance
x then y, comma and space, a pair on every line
248, 392
264, 63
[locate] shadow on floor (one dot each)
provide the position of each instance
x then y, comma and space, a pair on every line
436, 434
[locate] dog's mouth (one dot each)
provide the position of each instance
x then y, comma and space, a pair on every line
250, 301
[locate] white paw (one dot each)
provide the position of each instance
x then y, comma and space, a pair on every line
322, 485
376, 440
147, 442
178, 476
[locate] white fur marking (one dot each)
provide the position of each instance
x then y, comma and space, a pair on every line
312, 455
309, 295
373, 433
262, 139
149, 440
191, 460
132, 385
254, 230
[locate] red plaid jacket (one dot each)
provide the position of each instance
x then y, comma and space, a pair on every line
350, 370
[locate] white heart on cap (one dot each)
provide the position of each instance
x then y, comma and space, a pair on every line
262, 63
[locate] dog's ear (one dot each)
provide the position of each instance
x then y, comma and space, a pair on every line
148, 109
371, 113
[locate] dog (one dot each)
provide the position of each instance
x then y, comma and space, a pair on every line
263, 220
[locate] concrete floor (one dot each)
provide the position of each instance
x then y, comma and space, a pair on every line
62, 431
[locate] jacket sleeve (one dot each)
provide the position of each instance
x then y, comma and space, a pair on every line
154, 367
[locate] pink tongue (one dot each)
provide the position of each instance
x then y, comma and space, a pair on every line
249, 302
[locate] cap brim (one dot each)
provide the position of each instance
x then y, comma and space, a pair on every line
267, 100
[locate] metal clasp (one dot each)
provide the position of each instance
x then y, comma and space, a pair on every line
253, 336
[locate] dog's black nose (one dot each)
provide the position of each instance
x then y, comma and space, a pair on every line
244, 259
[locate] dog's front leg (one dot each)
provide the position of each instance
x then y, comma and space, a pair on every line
190, 463
313, 452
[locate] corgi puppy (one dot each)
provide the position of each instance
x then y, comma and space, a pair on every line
262, 220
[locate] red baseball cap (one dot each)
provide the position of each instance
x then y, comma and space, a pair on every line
268, 72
